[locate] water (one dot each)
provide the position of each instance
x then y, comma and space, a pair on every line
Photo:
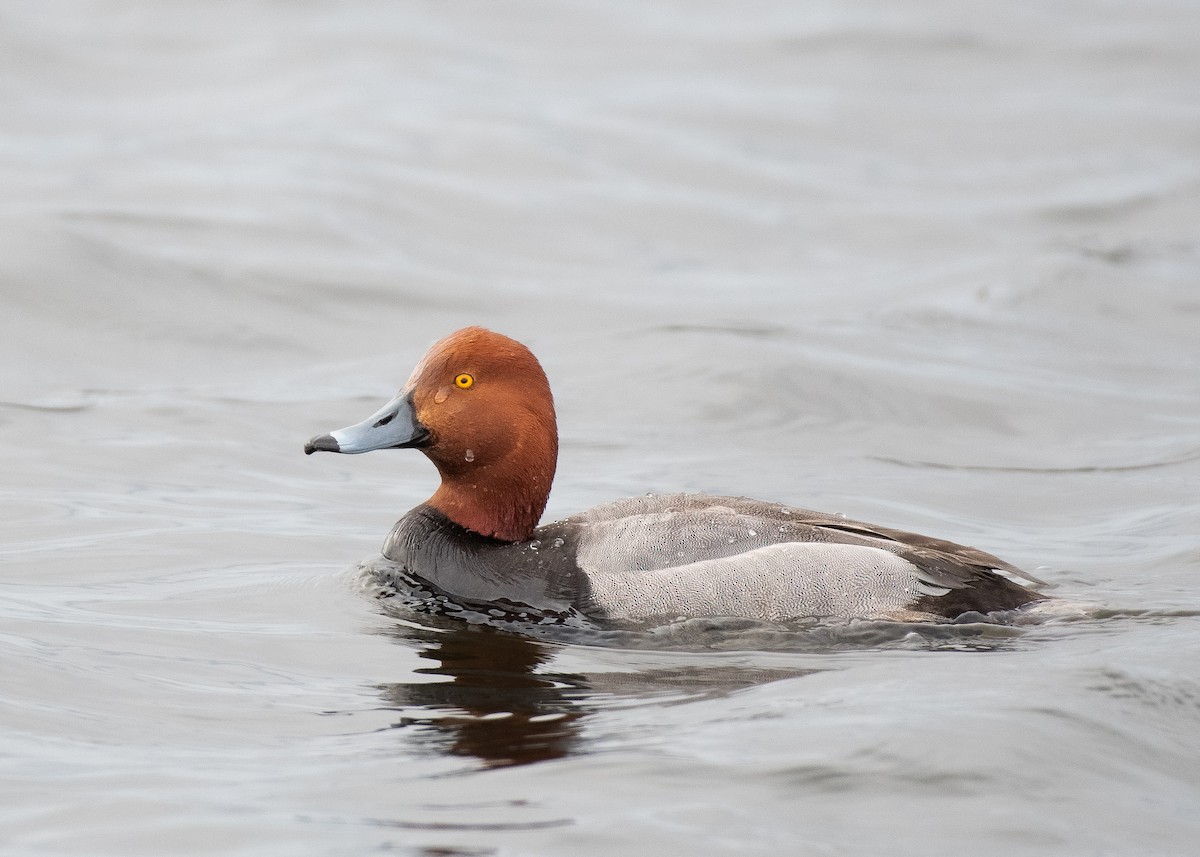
933, 266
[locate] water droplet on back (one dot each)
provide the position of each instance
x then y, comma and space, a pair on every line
470, 456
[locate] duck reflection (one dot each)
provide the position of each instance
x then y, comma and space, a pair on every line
499, 708
495, 707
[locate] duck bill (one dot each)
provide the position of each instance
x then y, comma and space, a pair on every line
394, 426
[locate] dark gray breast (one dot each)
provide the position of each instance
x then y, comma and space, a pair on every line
539, 575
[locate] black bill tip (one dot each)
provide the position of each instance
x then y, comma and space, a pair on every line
322, 443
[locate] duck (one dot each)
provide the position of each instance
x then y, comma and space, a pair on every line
479, 406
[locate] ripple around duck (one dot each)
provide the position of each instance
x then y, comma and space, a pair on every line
1166, 461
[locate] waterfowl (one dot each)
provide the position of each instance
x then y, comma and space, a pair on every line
479, 406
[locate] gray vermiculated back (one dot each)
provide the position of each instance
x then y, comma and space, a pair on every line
717, 556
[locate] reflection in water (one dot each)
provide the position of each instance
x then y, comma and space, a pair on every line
495, 707
498, 708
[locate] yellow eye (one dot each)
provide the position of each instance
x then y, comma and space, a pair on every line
464, 381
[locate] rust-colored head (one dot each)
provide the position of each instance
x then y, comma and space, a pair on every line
479, 406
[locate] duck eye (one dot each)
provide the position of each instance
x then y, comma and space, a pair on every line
464, 381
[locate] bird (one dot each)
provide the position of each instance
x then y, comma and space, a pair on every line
480, 407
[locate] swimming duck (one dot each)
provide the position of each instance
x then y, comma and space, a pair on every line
478, 405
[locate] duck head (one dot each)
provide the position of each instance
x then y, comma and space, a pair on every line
480, 408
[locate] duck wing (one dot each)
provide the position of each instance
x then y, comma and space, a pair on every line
696, 555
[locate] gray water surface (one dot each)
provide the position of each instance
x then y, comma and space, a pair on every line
932, 265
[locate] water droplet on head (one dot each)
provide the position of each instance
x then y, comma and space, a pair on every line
753, 533
535, 544
557, 543
470, 456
